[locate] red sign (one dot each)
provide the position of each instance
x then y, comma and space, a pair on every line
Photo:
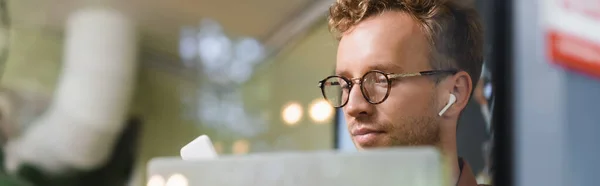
573, 34
574, 52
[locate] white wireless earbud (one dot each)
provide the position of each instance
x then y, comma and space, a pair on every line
451, 101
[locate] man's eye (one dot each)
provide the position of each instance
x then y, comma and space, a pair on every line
381, 80
334, 83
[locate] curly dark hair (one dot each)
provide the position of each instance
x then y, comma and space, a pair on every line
454, 30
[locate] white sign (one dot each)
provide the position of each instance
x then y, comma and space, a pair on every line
573, 33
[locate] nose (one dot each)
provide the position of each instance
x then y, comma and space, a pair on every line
357, 105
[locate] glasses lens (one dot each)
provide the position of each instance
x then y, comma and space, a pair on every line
334, 90
375, 86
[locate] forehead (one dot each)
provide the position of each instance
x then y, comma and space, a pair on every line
391, 42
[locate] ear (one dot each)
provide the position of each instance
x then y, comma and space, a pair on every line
461, 86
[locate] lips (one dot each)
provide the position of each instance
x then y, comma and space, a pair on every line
363, 131
365, 136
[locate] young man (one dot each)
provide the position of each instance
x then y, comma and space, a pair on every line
405, 70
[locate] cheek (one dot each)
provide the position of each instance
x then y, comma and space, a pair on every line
408, 101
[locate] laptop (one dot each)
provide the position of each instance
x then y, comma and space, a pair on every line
420, 166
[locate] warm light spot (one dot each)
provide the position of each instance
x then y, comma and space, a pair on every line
292, 113
240, 147
177, 180
156, 180
320, 111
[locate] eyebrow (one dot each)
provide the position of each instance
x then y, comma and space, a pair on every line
384, 66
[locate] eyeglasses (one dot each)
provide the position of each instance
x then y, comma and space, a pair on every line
375, 85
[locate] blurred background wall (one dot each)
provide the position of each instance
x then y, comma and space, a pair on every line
288, 76
34, 59
275, 108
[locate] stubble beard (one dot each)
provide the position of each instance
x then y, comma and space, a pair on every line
418, 130
405, 131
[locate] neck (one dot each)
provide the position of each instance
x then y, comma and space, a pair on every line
448, 148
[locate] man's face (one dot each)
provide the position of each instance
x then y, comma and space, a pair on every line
391, 42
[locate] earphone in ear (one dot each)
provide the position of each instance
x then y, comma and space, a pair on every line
451, 101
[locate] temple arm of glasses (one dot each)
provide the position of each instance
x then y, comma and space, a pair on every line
423, 73
433, 72
394, 76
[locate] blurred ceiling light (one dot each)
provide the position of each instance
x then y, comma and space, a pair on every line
224, 61
249, 50
320, 110
177, 180
240, 71
188, 46
215, 49
240, 147
215, 52
156, 180
292, 113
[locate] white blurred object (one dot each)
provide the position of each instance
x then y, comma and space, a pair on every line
414, 166
199, 149
88, 111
